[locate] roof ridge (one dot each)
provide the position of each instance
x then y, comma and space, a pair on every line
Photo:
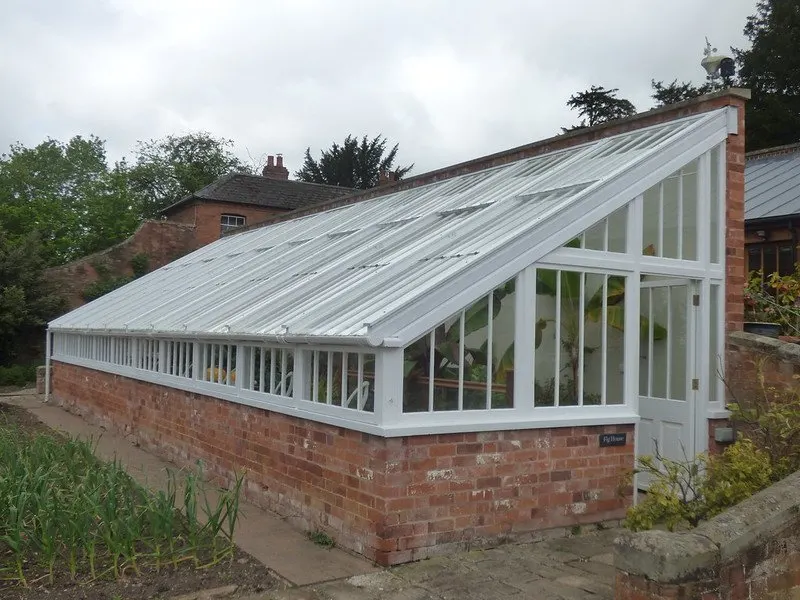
300, 181
774, 151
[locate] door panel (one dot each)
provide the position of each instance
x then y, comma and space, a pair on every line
666, 369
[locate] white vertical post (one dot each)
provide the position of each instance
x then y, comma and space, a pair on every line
48, 350
300, 375
581, 335
524, 342
557, 349
389, 386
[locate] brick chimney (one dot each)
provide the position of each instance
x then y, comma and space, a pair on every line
386, 177
273, 170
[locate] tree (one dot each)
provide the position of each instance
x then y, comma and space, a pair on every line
675, 92
27, 301
173, 167
66, 193
598, 105
354, 164
771, 69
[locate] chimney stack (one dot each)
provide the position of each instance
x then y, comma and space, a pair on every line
386, 177
275, 171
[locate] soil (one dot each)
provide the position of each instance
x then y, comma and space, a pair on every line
246, 573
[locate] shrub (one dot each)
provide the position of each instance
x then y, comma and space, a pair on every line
17, 375
103, 286
140, 264
684, 493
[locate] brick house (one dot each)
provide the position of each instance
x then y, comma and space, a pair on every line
240, 200
772, 209
463, 357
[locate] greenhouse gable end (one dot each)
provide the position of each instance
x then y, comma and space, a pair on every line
474, 354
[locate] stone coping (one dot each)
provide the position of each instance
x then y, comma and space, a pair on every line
677, 557
775, 347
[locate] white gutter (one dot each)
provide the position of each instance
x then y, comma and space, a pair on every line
342, 340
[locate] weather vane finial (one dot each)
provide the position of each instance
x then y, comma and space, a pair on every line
709, 49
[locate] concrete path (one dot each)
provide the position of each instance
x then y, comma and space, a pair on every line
563, 568
573, 568
262, 534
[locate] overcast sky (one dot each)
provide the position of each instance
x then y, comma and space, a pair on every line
448, 80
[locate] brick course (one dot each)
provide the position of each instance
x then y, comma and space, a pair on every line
391, 499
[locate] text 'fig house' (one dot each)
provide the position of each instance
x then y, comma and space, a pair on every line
469, 355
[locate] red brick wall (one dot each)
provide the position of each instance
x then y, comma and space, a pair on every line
390, 499
754, 361
161, 241
735, 258
205, 216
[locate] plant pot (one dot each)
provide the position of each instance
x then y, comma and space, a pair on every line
772, 330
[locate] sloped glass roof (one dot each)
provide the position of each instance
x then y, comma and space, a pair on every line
334, 274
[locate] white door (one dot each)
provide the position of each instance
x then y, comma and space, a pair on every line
667, 369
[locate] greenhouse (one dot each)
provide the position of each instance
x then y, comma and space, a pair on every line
580, 289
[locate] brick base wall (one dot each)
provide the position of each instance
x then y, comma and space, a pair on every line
391, 499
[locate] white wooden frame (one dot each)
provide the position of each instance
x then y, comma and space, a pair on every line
388, 337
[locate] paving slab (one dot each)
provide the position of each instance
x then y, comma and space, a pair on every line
262, 534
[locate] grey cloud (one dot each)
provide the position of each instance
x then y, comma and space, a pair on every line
448, 81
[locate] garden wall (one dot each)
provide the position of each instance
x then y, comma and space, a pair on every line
391, 499
160, 241
751, 551
752, 356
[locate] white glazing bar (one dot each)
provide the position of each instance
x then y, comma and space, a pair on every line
273, 389
251, 370
200, 358
262, 365
557, 349
722, 185
581, 335
604, 344
680, 215
220, 349
461, 360
361, 397
431, 364
182, 359
703, 212
529, 280
670, 341
605, 234
229, 365
660, 249
284, 368
650, 335
329, 379
315, 377
345, 360
489, 350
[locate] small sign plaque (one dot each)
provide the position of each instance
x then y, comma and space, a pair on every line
613, 439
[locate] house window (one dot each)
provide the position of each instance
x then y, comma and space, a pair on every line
771, 258
228, 222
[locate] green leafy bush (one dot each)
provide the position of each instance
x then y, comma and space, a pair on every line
140, 263
682, 493
103, 286
17, 375
686, 492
